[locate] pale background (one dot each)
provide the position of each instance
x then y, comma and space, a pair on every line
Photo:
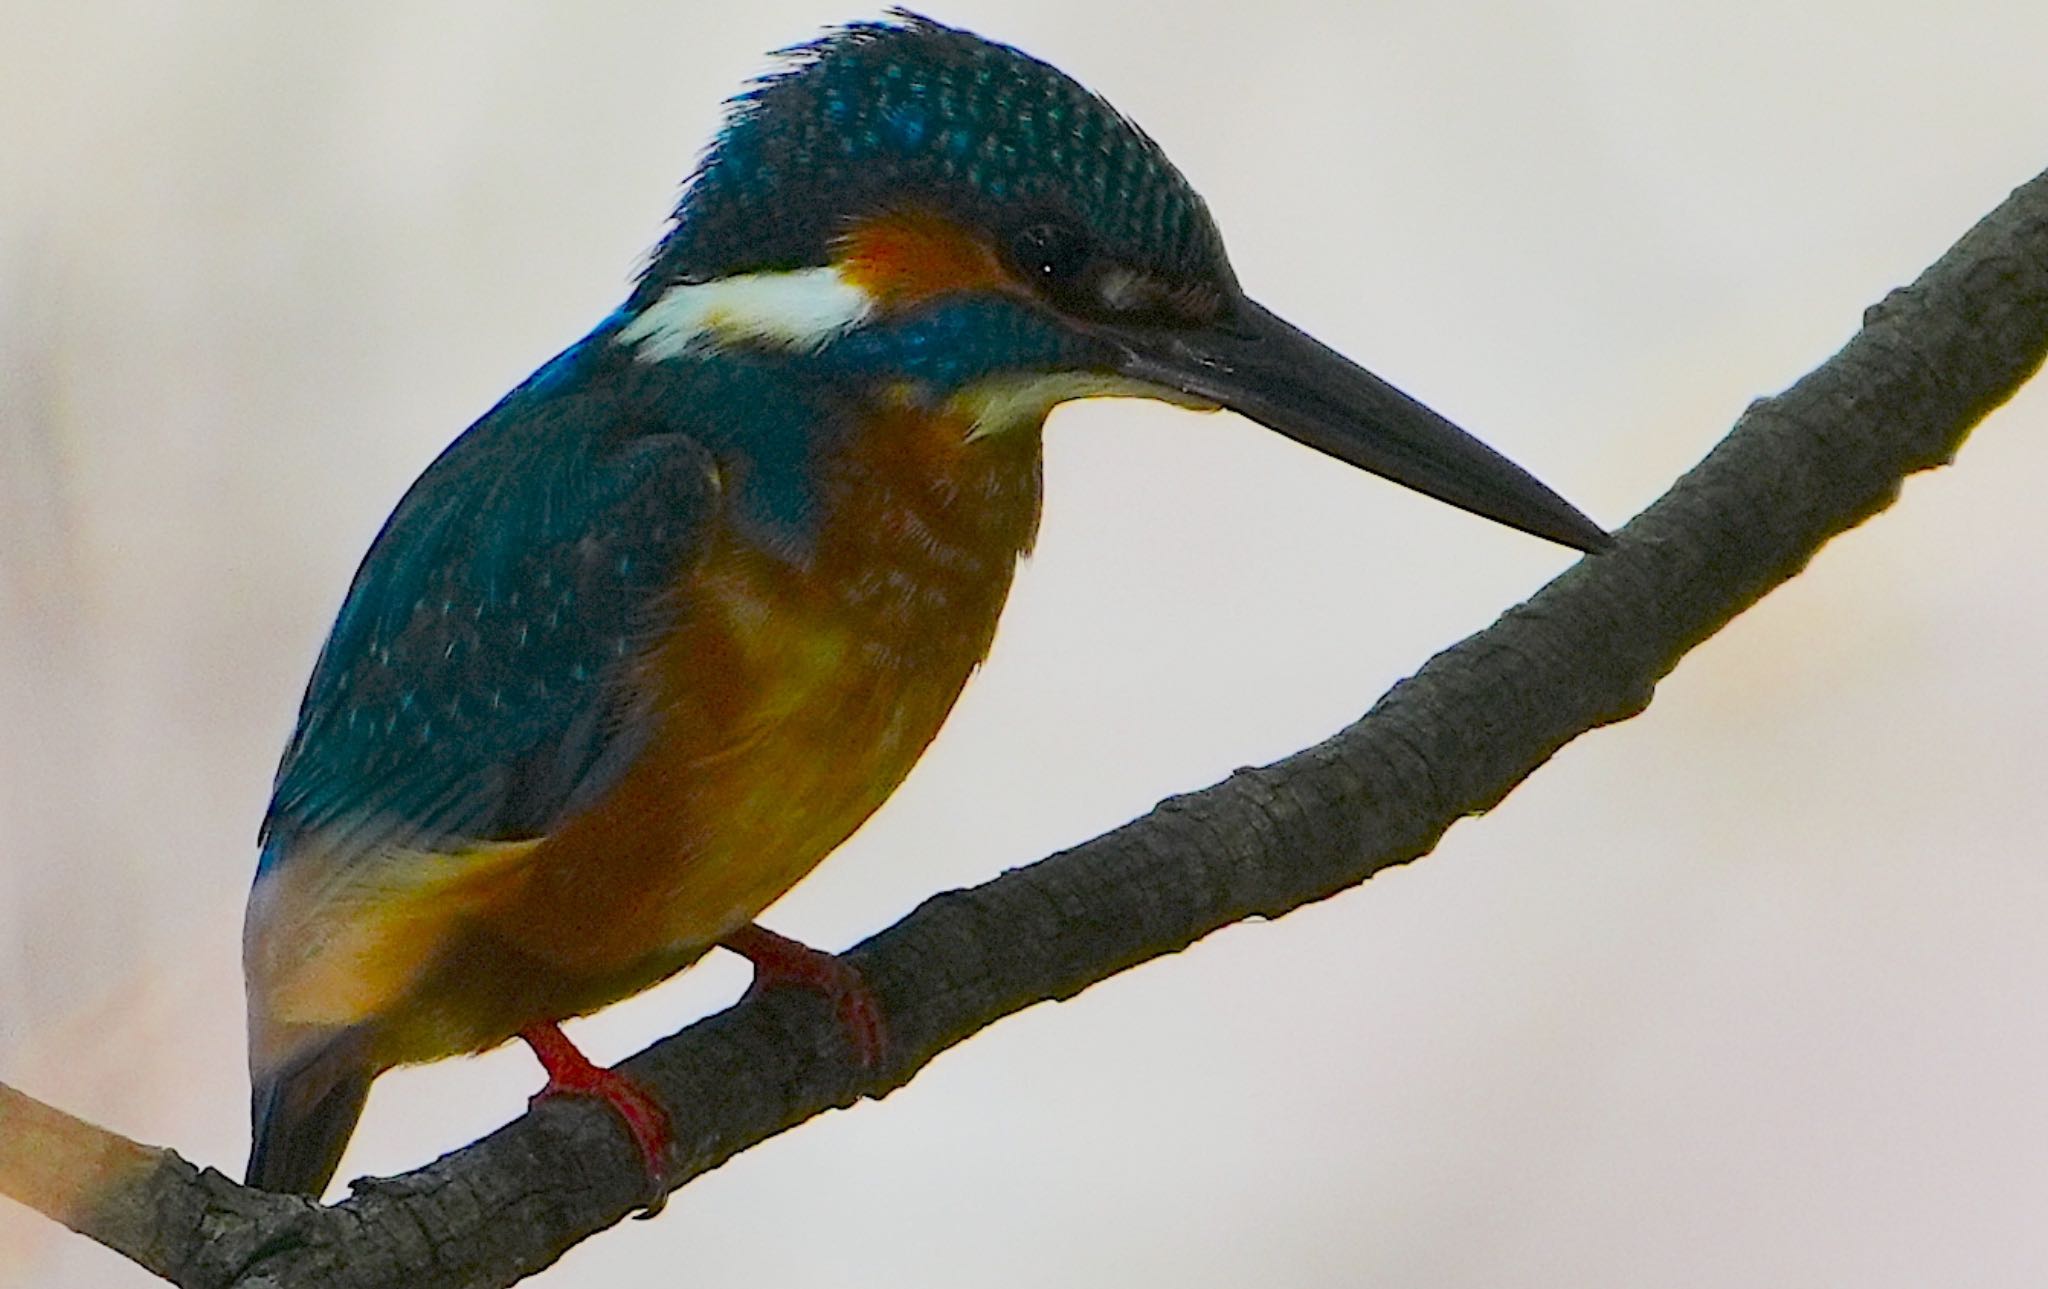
1744, 992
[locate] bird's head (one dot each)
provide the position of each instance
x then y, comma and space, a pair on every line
949, 218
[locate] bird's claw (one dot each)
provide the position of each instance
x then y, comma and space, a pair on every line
779, 960
570, 1074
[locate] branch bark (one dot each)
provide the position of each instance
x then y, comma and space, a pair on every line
1930, 361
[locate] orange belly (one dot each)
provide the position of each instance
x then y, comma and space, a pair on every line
792, 700
774, 749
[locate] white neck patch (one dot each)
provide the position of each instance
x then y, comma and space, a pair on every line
1004, 403
798, 309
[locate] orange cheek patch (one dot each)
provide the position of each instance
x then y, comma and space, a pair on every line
909, 257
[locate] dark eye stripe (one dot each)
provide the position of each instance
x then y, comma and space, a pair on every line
1051, 254
1061, 262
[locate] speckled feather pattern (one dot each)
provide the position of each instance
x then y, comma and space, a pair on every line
876, 109
684, 660
478, 667
660, 630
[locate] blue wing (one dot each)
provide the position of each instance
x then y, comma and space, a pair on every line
482, 684
478, 684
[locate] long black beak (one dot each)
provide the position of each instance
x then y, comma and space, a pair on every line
1264, 367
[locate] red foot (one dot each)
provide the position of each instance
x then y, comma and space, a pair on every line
570, 1073
779, 960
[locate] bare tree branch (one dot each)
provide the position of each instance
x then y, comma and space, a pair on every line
1930, 361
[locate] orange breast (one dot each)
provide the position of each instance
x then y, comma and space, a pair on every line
795, 699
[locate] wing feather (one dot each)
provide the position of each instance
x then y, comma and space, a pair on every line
481, 681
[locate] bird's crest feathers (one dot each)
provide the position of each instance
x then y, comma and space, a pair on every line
849, 124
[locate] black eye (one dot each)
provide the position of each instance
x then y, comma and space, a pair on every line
1051, 254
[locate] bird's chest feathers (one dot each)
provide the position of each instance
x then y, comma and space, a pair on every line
800, 693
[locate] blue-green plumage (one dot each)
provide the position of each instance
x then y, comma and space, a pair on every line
953, 344
855, 120
660, 630
474, 686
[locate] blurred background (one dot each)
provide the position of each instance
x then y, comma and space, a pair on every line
1745, 991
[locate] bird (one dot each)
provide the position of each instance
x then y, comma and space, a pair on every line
666, 624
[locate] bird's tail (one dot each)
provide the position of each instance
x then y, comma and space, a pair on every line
300, 1117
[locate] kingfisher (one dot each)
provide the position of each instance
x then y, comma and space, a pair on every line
666, 624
